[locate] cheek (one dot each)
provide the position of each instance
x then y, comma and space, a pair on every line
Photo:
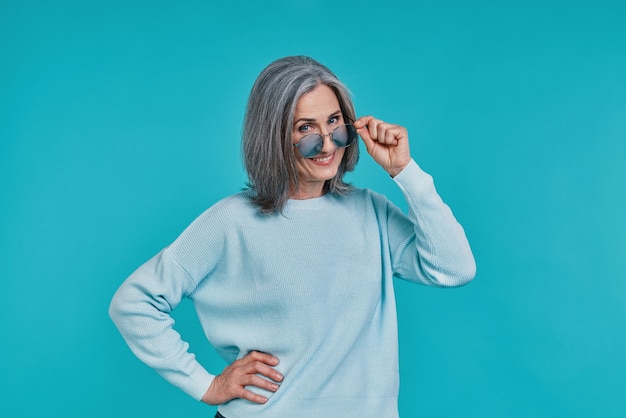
341, 154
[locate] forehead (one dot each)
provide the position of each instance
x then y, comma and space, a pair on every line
319, 102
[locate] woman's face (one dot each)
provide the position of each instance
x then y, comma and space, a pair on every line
317, 112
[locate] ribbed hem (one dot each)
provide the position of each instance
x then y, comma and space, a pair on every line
370, 407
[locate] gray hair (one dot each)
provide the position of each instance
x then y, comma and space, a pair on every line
268, 154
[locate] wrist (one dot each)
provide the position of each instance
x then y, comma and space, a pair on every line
394, 171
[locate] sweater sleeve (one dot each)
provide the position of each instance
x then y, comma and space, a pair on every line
429, 247
141, 310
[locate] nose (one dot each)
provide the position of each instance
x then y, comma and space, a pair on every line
329, 145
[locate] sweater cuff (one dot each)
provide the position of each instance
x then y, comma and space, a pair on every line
198, 383
412, 179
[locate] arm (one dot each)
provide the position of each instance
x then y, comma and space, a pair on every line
430, 246
141, 310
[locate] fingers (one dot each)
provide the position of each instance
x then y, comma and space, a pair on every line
362, 128
260, 363
259, 356
255, 369
362, 121
376, 130
388, 144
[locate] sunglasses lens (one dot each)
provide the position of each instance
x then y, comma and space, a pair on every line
311, 145
344, 135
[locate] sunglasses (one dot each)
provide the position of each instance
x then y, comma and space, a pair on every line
311, 145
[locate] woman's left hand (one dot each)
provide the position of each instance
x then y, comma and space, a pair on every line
388, 144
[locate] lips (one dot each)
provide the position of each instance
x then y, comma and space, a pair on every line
326, 159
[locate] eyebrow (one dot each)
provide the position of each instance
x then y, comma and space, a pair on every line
335, 113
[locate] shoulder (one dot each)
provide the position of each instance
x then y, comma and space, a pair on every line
228, 210
363, 204
366, 197
218, 219
202, 243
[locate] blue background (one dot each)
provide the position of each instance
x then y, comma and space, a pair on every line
120, 123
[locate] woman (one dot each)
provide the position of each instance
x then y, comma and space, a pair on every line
292, 279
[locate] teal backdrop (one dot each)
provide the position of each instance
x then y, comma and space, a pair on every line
120, 122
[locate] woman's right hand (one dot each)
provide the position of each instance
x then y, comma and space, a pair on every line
246, 371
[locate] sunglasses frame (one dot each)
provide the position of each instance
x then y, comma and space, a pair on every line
297, 144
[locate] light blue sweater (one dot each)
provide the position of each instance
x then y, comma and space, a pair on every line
312, 286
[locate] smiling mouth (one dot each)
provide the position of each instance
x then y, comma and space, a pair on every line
324, 159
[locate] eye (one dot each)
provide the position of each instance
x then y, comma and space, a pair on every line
334, 119
304, 128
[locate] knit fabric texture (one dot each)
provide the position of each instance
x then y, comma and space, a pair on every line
311, 285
